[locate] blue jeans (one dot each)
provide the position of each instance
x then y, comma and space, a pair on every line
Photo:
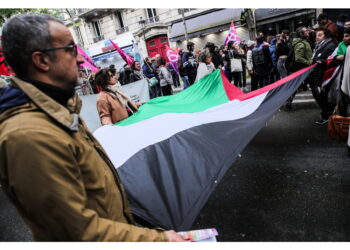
186, 82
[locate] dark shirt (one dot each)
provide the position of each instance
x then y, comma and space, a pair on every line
58, 94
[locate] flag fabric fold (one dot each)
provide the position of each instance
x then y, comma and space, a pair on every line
232, 35
174, 151
87, 61
125, 57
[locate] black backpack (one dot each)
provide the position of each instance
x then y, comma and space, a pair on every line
258, 56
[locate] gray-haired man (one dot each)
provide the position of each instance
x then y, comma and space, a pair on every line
51, 167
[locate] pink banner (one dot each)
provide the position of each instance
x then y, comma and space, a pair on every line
129, 60
88, 62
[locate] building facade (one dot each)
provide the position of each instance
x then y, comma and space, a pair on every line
149, 29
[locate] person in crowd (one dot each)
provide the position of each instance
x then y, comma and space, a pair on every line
244, 49
210, 47
51, 167
253, 79
93, 84
182, 73
302, 56
174, 74
225, 62
340, 25
112, 104
205, 65
189, 63
166, 80
262, 62
282, 52
323, 49
136, 73
324, 22
341, 46
113, 69
274, 76
235, 52
149, 73
124, 74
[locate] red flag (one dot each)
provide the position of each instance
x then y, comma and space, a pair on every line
232, 35
126, 58
5, 70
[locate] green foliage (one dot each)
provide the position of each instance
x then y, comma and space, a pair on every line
7, 13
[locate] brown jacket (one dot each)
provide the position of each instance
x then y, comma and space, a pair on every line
110, 109
59, 177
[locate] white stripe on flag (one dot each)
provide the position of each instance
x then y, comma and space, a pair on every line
139, 135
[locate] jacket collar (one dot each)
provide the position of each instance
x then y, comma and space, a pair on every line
68, 117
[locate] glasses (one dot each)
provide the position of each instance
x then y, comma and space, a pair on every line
72, 48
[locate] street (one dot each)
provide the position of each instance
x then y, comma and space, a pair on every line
291, 183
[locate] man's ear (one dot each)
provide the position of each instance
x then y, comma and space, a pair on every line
41, 61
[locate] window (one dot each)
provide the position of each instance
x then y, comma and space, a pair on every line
151, 13
97, 30
184, 10
79, 36
120, 19
152, 43
163, 40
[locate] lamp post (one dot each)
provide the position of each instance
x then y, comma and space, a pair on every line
143, 22
183, 19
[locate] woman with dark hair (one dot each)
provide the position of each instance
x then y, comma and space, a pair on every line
166, 80
136, 73
112, 104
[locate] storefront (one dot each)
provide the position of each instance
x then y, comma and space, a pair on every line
211, 26
104, 54
272, 21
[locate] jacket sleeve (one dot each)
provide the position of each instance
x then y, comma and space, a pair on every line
249, 60
104, 112
299, 50
48, 182
185, 60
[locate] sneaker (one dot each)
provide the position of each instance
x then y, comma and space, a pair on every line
321, 121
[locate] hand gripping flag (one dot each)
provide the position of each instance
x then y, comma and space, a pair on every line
171, 154
232, 35
173, 57
87, 61
125, 57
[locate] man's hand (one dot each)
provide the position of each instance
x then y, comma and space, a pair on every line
340, 58
175, 237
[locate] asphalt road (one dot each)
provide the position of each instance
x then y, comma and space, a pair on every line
292, 183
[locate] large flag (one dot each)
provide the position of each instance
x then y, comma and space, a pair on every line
125, 57
137, 53
232, 35
174, 151
173, 57
87, 60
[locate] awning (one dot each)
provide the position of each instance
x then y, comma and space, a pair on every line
199, 24
286, 16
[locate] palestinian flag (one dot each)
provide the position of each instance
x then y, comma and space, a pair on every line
173, 152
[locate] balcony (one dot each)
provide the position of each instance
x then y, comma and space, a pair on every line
98, 38
122, 30
152, 20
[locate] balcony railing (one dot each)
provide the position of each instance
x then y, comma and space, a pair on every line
152, 20
122, 30
98, 38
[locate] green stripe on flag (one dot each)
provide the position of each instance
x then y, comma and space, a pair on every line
208, 92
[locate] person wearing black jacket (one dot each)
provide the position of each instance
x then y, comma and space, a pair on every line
233, 52
283, 50
324, 47
262, 62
